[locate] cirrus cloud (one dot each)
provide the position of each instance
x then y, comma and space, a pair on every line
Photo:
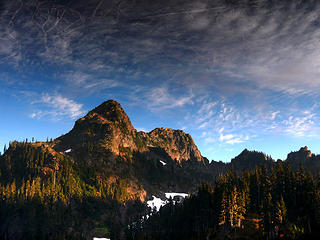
56, 107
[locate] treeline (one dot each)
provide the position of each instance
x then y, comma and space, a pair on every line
259, 204
47, 195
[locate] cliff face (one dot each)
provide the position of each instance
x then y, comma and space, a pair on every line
109, 127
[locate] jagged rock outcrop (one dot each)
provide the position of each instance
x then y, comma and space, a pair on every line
305, 158
302, 155
177, 144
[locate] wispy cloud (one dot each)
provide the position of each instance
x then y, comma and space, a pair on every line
231, 138
56, 107
301, 126
228, 124
163, 98
219, 115
269, 46
89, 82
10, 48
206, 112
222, 123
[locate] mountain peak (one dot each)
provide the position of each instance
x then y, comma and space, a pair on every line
108, 127
251, 155
250, 159
107, 122
298, 156
107, 106
110, 110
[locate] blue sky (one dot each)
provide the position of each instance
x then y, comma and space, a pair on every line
234, 76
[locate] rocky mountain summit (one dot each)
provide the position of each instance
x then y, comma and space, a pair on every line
161, 160
109, 127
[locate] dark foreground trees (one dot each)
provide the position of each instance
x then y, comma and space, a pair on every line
50, 196
260, 204
46, 195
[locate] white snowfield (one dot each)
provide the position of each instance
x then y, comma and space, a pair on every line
68, 150
157, 202
101, 238
163, 163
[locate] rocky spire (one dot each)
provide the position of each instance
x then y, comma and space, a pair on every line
110, 112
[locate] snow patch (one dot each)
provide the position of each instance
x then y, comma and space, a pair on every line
156, 202
101, 238
163, 163
68, 150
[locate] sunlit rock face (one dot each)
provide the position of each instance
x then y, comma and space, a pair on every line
109, 127
176, 143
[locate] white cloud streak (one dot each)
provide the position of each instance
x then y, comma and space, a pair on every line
81, 81
57, 107
161, 98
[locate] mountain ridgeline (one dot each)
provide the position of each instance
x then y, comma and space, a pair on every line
163, 159
95, 179
109, 127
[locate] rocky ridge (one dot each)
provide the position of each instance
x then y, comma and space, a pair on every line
109, 126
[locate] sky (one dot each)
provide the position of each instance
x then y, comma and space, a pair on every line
233, 74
